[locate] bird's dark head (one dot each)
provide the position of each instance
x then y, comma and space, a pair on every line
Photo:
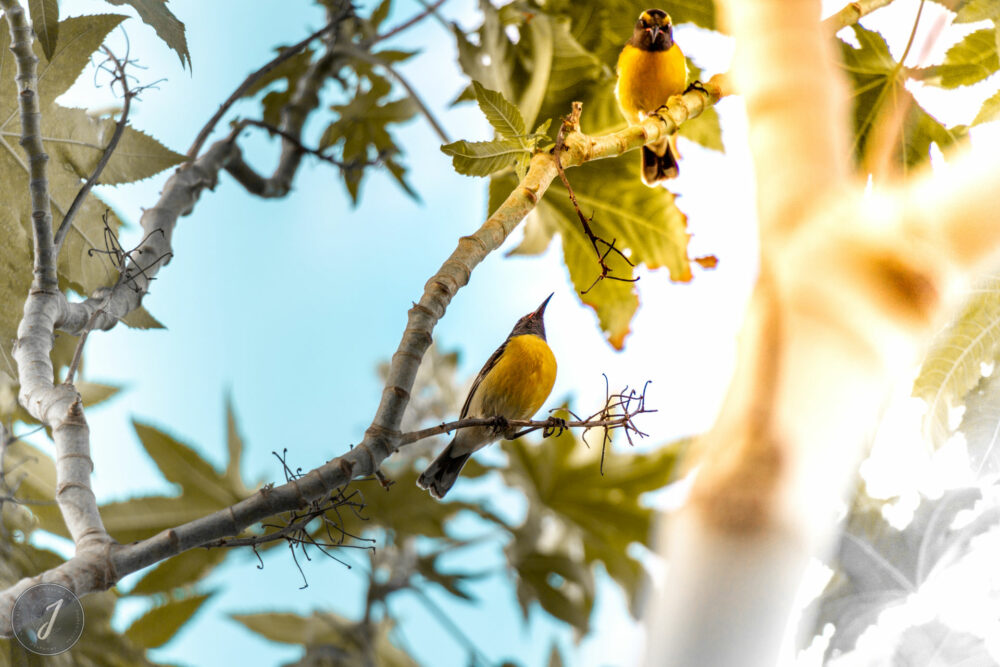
653, 31
532, 323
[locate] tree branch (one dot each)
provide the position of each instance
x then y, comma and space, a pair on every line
851, 13
121, 77
21, 37
249, 82
89, 571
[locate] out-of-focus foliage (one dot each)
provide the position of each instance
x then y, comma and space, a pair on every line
540, 59
953, 366
878, 567
880, 97
330, 639
75, 142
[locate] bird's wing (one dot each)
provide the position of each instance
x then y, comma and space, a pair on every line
487, 367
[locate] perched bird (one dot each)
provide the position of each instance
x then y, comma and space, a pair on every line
513, 384
651, 69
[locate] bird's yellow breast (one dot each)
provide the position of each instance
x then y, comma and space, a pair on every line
517, 386
647, 79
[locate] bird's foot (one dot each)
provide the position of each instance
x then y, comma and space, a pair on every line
556, 427
500, 424
696, 85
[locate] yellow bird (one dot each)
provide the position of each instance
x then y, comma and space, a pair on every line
513, 384
651, 69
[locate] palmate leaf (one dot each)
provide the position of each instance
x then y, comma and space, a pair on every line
482, 158
953, 366
75, 142
168, 27
203, 490
159, 625
329, 638
602, 514
981, 428
644, 221
877, 84
878, 566
289, 73
45, 23
361, 132
971, 60
502, 115
990, 111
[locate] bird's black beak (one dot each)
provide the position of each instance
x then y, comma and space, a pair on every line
541, 309
654, 32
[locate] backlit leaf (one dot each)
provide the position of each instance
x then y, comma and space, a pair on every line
482, 158
45, 23
168, 27
972, 59
502, 115
953, 365
159, 625
879, 95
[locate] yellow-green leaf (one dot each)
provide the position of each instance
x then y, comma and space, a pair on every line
953, 366
182, 465
179, 571
972, 59
482, 158
140, 318
45, 23
502, 115
990, 111
159, 625
168, 27
94, 393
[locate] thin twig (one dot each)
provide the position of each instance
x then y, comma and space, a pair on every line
380, 62
251, 80
121, 77
571, 123
429, 9
315, 152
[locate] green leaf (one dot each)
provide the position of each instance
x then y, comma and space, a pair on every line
879, 567
141, 518
353, 644
168, 27
234, 445
952, 367
981, 428
141, 319
94, 393
361, 132
289, 72
603, 514
562, 585
971, 11
380, 14
990, 111
45, 23
182, 465
878, 87
159, 625
182, 570
482, 158
403, 508
970, 60
641, 220
74, 142
502, 115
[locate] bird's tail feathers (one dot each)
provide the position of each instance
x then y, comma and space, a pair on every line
442, 472
659, 162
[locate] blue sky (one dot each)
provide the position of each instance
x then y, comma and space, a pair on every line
289, 305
